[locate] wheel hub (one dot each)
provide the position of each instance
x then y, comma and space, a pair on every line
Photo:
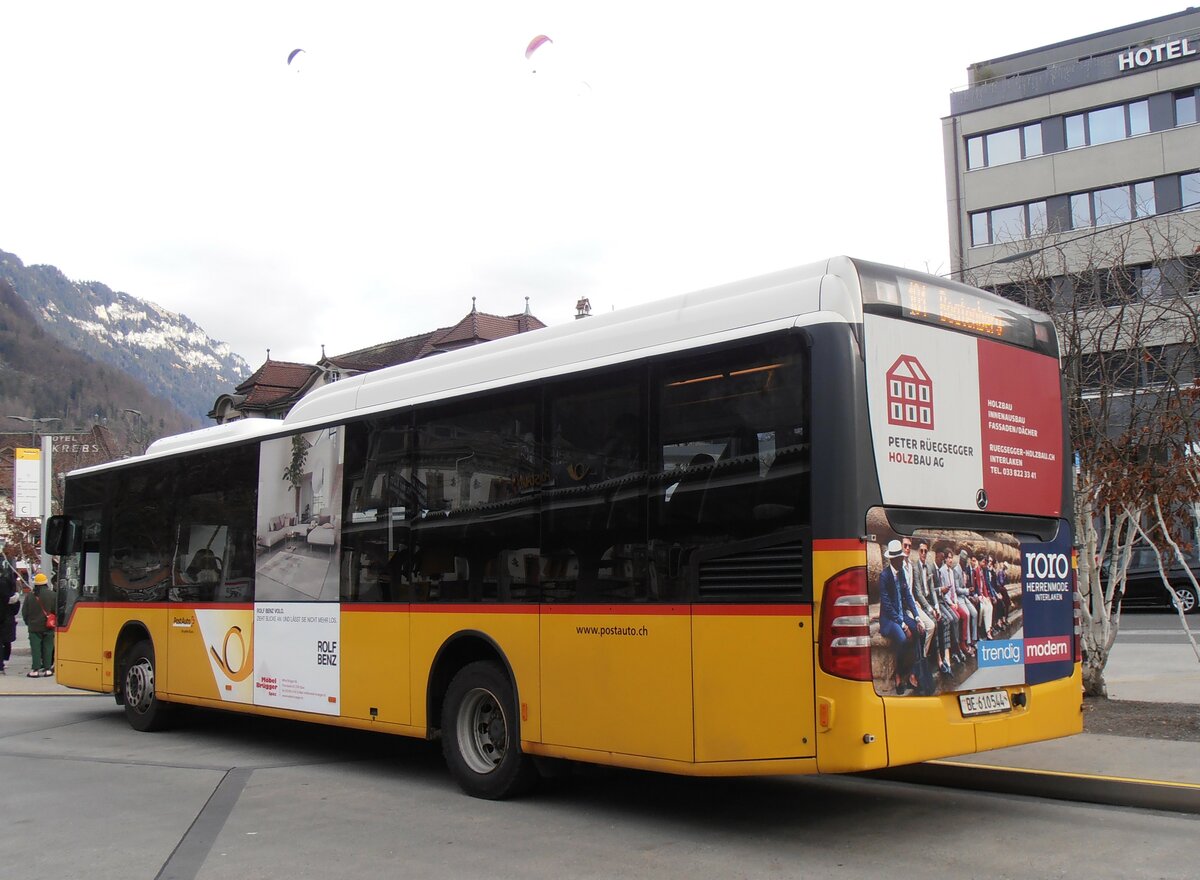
483, 731
139, 685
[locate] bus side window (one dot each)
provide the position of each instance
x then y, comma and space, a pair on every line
213, 555
477, 539
734, 455
382, 498
139, 563
593, 506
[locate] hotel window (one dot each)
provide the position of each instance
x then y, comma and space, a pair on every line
1149, 281
1081, 211
975, 152
1189, 185
1037, 218
1185, 107
1139, 117
1106, 125
1076, 131
1008, 224
1112, 205
979, 229
1033, 139
1004, 147
1143, 199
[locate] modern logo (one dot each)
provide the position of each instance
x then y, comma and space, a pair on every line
981, 499
910, 394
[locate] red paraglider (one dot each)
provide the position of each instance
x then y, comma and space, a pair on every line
536, 43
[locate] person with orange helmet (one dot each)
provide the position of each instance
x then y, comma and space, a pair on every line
37, 611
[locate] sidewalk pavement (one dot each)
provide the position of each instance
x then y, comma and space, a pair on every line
13, 681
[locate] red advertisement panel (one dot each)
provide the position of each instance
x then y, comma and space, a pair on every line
1020, 430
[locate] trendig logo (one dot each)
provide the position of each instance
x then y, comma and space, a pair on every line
1006, 652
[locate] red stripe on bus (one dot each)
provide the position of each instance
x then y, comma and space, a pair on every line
623, 610
804, 608
463, 608
765, 610
838, 544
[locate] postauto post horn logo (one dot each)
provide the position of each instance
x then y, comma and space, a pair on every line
909, 394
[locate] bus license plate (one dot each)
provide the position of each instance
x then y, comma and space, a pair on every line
986, 703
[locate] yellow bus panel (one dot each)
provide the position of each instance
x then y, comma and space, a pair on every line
374, 663
753, 682
618, 679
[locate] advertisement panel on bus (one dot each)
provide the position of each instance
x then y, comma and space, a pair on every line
958, 610
963, 422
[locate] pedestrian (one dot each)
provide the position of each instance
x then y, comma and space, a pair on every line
38, 603
9, 605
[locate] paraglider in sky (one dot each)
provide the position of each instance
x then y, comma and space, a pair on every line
292, 55
535, 44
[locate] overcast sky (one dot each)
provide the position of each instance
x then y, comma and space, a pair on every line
411, 157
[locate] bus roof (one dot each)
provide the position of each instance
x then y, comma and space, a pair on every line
824, 291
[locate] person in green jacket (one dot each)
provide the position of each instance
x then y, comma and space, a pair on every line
37, 603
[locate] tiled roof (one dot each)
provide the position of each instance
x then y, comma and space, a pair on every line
475, 327
482, 327
279, 383
274, 383
386, 354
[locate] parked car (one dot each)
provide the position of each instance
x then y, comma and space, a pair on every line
1144, 587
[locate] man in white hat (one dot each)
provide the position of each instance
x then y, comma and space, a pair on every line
898, 616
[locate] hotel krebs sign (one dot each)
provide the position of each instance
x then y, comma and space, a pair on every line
1172, 50
70, 444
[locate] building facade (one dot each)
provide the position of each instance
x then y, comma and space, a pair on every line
1073, 185
1074, 145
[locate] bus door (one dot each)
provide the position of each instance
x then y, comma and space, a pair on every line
81, 621
208, 559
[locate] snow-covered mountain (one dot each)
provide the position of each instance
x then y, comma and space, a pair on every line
168, 352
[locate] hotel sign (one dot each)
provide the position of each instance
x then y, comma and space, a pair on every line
1172, 50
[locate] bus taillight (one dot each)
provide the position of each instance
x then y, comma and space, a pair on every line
846, 626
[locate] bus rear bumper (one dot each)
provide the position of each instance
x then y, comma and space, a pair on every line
924, 728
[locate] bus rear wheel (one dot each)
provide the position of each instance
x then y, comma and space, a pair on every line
143, 709
480, 737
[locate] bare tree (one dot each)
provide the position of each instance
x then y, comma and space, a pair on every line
1128, 320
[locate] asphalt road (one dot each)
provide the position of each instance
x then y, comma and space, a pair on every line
226, 796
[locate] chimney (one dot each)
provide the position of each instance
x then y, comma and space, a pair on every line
583, 308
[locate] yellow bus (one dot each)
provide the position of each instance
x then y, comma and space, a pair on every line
812, 522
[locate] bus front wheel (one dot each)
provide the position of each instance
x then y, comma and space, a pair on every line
480, 737
143, 709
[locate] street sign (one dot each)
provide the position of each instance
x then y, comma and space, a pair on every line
27, 477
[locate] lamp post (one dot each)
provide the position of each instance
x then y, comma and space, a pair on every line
46, 482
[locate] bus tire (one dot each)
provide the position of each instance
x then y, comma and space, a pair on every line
143, 709
480, 736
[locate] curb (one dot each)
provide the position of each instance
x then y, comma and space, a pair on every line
1150, 794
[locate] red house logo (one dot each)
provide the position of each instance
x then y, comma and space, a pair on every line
910, 394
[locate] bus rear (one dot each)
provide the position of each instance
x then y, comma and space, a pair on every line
949, 625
